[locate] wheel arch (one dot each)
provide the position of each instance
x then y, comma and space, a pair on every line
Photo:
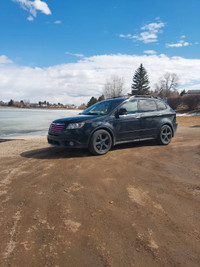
106, 129
166, 123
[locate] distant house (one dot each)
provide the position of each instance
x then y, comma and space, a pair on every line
193, 92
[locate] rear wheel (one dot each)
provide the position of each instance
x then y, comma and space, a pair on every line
165, 135
100, 142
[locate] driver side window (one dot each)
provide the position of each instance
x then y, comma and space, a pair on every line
130, 106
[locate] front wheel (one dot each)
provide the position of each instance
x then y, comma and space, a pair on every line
165, 135
100, 142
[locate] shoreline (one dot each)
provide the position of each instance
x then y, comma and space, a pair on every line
42, 108
22, 137
25, 135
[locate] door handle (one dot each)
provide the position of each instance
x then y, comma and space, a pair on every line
137, 117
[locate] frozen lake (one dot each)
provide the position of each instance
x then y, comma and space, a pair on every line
14, 122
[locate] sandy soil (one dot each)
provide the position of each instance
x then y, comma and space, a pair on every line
138, 205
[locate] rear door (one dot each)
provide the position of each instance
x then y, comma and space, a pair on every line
149, 117
127, 127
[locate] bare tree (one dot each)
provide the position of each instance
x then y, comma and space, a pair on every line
167, 85
26, 102
113, 87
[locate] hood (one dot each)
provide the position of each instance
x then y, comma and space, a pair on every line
78, 118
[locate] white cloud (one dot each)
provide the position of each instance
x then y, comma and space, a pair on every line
125, 35
30, 18
75, 55
77, 82
148, 35
153, 27
42, 6
181, 43
5, 60
150, 52
34, 6
57, 22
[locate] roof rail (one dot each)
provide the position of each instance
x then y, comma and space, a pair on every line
120, 96
144, 96
134, 96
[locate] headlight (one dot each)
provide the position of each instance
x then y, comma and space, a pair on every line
75, 125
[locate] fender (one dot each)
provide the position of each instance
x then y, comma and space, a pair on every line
165, 121
104, 127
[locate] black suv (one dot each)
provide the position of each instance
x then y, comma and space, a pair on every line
113, 122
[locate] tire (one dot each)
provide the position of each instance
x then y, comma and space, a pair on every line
100, 142
165, 135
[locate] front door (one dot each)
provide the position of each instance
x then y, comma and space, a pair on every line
127, 127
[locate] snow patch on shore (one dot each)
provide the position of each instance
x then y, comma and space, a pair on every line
188, 115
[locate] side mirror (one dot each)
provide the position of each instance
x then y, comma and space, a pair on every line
120, 112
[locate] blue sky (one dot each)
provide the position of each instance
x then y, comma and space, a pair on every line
72, 47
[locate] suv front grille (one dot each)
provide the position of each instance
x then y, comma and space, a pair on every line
57, 126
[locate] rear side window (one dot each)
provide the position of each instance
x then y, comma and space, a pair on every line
130, 106
146, 105
161, 105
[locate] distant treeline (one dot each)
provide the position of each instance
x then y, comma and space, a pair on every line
40, 104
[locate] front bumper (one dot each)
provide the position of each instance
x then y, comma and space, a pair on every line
72, 139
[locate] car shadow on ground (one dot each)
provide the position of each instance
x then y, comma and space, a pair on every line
57, 152
194, 126
6, 140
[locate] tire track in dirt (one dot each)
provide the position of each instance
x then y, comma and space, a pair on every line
12, 239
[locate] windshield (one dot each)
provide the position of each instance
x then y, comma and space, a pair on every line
103, 108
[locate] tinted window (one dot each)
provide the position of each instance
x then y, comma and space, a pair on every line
161, 105
102, 108
130, 106
146, 105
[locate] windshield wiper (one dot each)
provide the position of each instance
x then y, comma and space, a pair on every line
90, 113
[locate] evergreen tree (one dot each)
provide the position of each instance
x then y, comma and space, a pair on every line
92, 101
101, 98
11, 103
140, 84
183, 92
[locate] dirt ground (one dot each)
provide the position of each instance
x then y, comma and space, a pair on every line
138, 205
